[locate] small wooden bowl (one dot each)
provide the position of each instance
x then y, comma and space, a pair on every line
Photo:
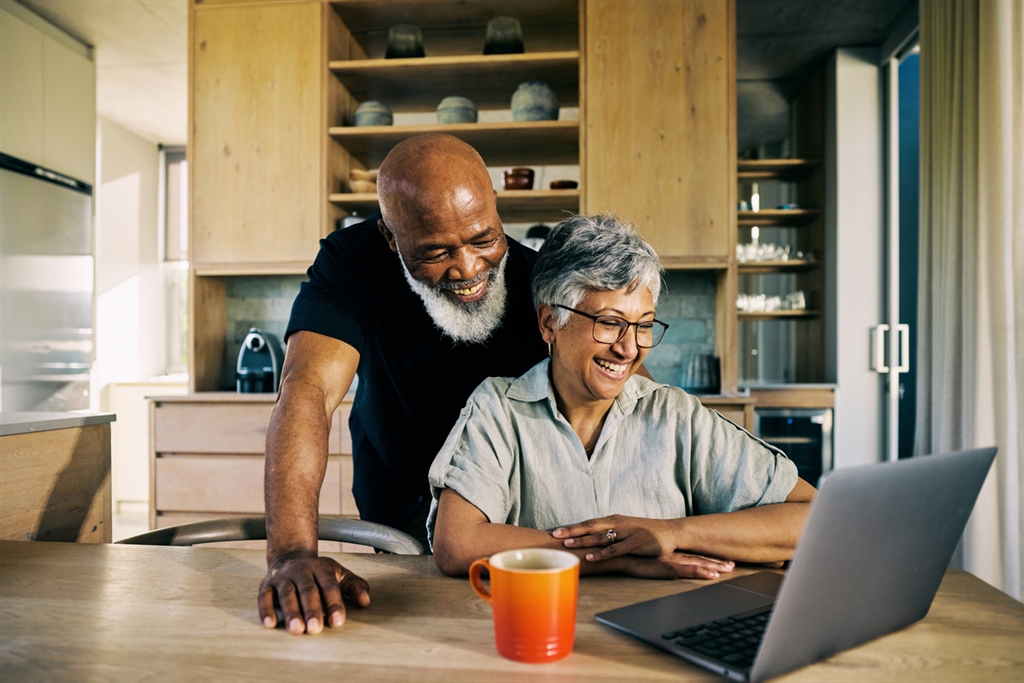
518, 178
564, 184
359, 174
363, 186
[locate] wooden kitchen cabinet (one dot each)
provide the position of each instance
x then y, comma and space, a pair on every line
660, 124
256, 145
207, 459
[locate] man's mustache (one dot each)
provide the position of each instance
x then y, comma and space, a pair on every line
488, 274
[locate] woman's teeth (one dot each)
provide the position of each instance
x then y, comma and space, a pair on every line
469, 291
612, 367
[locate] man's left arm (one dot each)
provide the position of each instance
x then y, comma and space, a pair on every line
763, 534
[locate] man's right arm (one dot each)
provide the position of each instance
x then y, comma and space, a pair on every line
317, 373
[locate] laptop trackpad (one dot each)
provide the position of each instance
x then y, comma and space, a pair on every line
652, 618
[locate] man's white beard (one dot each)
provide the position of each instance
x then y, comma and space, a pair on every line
470, 322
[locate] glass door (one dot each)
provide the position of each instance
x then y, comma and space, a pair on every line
894, 341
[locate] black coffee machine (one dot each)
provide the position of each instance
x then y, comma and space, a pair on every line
259, 363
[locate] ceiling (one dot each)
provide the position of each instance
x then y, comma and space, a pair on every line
141, 59
780, 44
140, 47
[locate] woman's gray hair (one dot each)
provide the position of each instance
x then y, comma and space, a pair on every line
592, 253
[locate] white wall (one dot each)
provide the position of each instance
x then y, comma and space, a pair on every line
855, 284
130, 338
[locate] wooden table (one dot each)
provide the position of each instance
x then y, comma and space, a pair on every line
73, 612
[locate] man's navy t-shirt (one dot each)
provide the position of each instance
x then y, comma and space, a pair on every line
413, 380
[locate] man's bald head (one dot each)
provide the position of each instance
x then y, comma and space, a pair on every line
431, 177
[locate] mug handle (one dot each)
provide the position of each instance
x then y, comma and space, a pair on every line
474, 578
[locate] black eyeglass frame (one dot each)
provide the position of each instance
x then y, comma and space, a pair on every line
636, 326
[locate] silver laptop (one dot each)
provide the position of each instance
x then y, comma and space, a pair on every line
877, 542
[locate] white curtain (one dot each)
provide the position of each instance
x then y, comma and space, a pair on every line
971, 314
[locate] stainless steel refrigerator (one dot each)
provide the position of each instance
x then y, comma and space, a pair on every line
46, 288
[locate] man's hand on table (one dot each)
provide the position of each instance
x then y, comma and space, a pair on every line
303, 585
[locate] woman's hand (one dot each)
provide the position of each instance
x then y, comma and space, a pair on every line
618, 535
673, 566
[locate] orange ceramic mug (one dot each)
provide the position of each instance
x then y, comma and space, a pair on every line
534, 593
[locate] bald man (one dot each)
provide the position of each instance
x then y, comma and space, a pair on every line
424, 304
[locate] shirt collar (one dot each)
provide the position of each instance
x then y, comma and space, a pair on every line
535, 385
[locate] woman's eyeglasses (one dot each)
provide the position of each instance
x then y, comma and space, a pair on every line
609, 329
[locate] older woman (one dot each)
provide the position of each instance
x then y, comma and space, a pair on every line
583, 454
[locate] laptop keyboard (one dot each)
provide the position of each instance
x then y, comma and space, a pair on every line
733, 640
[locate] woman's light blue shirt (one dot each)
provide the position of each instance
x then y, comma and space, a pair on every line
661, 455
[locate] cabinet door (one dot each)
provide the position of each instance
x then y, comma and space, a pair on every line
21, 89
256, 133
660, 121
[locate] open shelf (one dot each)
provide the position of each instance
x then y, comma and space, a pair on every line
514, 206
784, 217
489, 80
500, 144
776, 169
452, 28
776, 315
762, 267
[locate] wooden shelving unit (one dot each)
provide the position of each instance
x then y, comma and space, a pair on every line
777, 217
776, 169
777, 315
514, 206
412, 85
500, 144
793, 340
764, 267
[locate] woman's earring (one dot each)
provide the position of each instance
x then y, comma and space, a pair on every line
549, 348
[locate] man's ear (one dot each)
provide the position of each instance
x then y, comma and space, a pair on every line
546, 323
388, 235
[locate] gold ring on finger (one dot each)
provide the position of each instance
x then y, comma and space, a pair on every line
611, 535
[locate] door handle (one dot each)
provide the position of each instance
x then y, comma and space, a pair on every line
878, 348
903, 331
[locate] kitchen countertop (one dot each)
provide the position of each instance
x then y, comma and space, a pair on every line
24, 423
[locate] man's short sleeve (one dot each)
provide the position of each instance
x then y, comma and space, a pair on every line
732, 470
477, 459
332, 303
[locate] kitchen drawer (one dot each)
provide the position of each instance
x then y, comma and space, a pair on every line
229, 484
207, 427
175, 518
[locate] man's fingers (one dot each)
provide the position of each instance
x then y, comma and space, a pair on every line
356, 589
265, 603
288, 600
312, 606
331, 592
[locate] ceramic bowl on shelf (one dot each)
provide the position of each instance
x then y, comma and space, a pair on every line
518, 178
564, 184
534, 101
363, 186
456, 109
404, 41
360, 174
504, 36
373, 113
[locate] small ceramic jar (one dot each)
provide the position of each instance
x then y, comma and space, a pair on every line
456, 109
504, 36
404, 41
534, 101
373, 113
518, 178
